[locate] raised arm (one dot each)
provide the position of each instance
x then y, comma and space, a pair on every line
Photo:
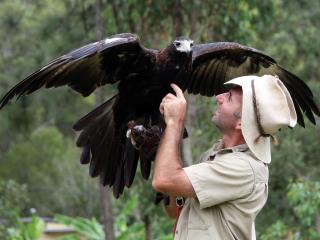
169, 177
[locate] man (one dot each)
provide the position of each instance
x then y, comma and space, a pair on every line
226, 191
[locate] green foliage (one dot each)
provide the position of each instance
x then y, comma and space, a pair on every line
304, 196
204, 133
145, 212
92, 230
125, 228
89, 228
27, 231
278, 230
13, 199
45, 161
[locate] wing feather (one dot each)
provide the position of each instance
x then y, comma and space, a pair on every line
86, 68
200, 78
213, 82
210, 75
193, 78
216, 63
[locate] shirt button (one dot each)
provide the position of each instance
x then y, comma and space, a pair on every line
176, 231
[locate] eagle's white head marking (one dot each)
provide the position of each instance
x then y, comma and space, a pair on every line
110, 40
183, 45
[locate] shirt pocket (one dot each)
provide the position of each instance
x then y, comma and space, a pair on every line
199, 232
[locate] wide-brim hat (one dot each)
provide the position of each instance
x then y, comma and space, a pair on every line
266, 107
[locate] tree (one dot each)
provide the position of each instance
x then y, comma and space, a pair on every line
13, 201
47, 163
304, 198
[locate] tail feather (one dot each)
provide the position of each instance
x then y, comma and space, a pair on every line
145, 165
101, 144
85, 155
107, 177
110, 154
131, 162
97, 113
119, 182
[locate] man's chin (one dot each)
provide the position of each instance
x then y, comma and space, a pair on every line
215, 122
215, 118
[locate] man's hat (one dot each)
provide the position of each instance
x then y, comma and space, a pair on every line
266, 107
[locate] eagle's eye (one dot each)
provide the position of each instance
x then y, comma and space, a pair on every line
191, 44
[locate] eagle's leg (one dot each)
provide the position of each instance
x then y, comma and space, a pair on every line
136, 134
146, 137
162, 126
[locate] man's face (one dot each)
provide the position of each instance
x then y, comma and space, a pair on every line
228, 114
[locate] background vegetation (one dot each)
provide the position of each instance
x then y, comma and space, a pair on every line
39, 165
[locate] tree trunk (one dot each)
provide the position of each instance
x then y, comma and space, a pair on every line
177, 31
105, 198
192, 109
108, 220
187, 143
100, 30
177, 18
318, 223
148, 227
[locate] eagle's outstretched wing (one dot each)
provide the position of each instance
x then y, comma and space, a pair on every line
104, 146
216, 63
86, 68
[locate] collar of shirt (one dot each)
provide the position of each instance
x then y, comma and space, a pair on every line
218, 149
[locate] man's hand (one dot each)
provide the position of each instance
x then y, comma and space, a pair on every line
174, 107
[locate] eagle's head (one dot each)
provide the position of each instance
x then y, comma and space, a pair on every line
183, 44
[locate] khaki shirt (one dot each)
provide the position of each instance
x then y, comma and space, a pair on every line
232, 187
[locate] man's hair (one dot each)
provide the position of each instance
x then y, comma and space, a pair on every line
237, 114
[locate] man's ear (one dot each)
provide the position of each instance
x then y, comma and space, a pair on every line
238, 125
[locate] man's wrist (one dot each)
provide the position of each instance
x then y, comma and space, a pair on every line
174, 130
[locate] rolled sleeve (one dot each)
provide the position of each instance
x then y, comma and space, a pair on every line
215, 182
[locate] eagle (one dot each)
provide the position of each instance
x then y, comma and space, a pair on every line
128, 127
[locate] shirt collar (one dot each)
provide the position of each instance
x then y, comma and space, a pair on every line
218, 148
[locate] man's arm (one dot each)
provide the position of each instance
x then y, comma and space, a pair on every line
169, 177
